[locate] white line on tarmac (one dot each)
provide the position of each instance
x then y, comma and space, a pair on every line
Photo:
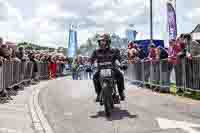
9, 130
45, 124
9, 108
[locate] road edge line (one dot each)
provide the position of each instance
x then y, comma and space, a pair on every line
44, 122
40, 123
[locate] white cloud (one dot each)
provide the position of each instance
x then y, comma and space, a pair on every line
98, 3
193, 13
46, 21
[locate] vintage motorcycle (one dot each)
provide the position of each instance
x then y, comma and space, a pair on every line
109, 95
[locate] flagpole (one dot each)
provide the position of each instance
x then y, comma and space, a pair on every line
175, 4
151, 21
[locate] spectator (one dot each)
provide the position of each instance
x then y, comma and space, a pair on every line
175, 58
132, 53
53, 66
162, 52
75, 66
192, 53
193, 47
152, 53
66, 65
1, 60
20, 54
155, 69
13, 56
4, 52
49, 66
165, 72
141, 53
35, 62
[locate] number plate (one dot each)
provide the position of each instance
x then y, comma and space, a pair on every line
106, 72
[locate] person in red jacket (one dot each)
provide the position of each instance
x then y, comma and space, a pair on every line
152, 53
175, 59
52, 67
155, 69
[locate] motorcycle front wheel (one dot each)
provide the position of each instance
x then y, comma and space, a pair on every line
108, 101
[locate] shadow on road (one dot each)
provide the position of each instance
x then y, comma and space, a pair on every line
117, 114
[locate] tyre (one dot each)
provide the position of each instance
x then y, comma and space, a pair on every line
108, 104
112, 105
107, 107
107, 90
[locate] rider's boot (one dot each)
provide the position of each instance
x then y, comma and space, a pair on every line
98, 98
122, 96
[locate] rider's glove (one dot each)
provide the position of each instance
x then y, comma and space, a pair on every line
124, 67
88, 70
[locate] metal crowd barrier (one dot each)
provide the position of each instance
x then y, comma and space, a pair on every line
28, 71
192, 74
60, 69
185, 75
14, 73
82, 74
43, 72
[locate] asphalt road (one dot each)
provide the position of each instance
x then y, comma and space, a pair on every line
70, 108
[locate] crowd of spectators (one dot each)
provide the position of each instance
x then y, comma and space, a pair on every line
181, 48
21, 54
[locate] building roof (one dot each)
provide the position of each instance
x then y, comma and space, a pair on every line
197, 29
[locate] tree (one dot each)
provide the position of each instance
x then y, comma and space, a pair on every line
91, 44
32, 46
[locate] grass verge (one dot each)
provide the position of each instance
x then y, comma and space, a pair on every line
188, 94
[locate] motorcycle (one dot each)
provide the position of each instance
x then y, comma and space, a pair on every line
109, 95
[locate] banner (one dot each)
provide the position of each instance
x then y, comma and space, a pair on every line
72, 44
171, 17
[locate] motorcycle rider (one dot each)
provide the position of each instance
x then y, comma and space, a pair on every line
107, 54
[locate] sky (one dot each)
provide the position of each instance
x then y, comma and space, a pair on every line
46, 22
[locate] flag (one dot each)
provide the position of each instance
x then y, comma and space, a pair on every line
171, 19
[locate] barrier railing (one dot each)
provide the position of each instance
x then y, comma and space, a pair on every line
82, 74
185, 74
15, 73
43, 72
60, 69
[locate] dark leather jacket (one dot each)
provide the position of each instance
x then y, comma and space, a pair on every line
107, 55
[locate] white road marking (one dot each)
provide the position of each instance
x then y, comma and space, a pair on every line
173, 124
9, 130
